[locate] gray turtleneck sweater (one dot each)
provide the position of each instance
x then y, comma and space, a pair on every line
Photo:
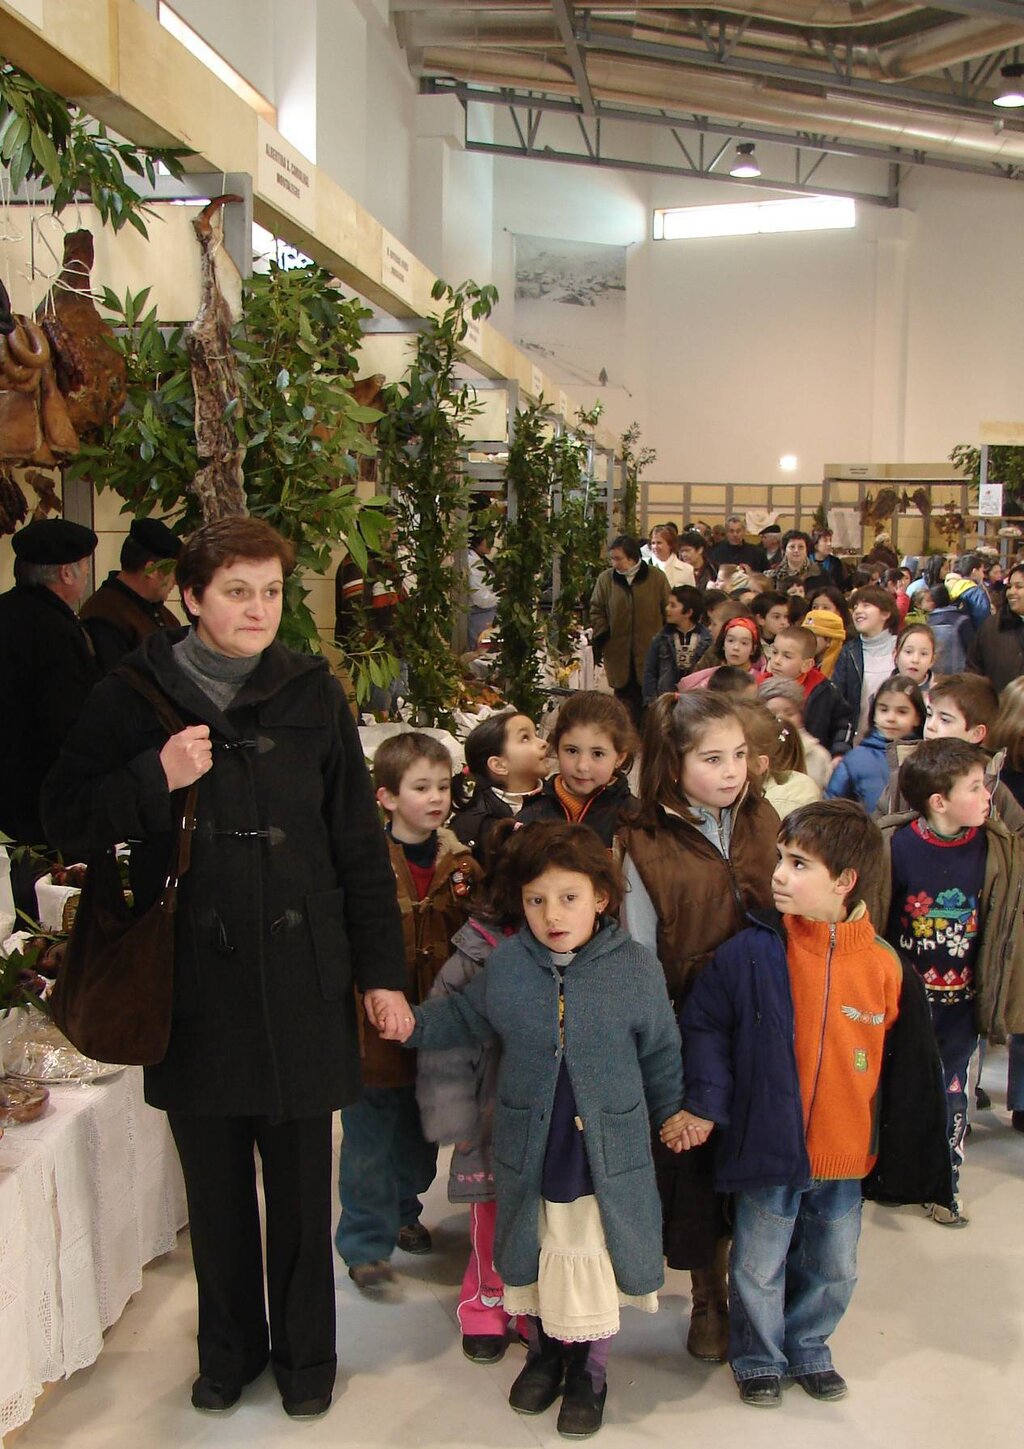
217, 675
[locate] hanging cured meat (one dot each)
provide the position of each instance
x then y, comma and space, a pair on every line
219, 484
6, 317
34, 423
90, 373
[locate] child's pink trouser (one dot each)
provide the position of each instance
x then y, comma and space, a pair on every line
480, 1310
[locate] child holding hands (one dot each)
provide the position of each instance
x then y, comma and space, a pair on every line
590, 1054
787, 1036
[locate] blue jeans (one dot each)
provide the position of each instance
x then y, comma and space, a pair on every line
791, 1275
478, 621
385, 1164
957, 1038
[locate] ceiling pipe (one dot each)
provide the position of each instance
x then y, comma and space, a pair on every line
733, 99
933, 50
844, 14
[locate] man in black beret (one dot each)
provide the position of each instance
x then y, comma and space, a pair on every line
771, 542
47, 666
130, 603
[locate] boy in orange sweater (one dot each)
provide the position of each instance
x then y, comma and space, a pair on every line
809, 1048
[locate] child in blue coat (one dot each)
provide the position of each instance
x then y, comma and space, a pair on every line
897, 713
590, 1057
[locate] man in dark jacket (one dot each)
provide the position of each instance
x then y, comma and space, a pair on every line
734, 548
131, 603
47, 667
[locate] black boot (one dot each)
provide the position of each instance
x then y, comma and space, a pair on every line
582, 1408
540, 1382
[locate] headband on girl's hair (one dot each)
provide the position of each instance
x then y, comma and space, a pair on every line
743, 623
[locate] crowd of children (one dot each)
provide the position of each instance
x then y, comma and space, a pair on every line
698, 1024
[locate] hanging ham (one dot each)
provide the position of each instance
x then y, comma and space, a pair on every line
90, 373
219, 484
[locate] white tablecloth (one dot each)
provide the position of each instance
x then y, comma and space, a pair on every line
89, 1193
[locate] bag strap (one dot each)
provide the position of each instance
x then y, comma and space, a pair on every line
142, 684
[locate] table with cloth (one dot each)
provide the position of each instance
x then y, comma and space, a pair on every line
89, 1193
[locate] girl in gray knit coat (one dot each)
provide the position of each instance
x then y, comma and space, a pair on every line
590, 1059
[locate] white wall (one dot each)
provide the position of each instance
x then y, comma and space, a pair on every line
965, 347
888, 343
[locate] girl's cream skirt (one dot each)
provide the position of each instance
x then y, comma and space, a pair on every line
575, 1296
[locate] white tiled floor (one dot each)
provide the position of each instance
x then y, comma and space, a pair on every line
933, 1347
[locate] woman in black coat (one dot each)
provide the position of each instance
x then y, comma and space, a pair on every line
288, 902
997, 649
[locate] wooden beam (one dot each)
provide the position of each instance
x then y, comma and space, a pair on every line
117, 62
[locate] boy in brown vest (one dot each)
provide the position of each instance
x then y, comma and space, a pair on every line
386, 1163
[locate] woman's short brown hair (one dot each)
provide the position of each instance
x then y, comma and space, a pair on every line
223, 542
550, 845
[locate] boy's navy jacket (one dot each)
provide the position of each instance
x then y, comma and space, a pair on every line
740, 1072
605, 812
829, 718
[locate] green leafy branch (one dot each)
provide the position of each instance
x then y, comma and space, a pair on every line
523, 565
302, 429
636, 461
45, 138
420, 464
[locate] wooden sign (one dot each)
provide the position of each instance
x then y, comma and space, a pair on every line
395, 266
285, 178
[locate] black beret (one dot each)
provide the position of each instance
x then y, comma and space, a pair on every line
53, 541
155, 537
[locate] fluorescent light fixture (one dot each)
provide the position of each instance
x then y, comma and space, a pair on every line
1011, 92
788, 462
751, 218
197, 46
745, 165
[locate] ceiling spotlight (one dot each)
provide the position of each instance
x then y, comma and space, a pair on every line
745, 164
789, 462
1011, 92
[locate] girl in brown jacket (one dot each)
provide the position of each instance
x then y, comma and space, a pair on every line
700, 855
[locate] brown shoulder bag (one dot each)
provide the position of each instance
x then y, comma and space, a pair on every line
114, 990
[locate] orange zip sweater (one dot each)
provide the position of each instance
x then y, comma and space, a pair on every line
846, 987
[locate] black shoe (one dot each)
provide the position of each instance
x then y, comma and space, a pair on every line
306, 1408
539, 1384
484, 1347
826, 1385
762, 1392
982, 1100
212, 1397
582, 1409
1017, 1121
414, 1238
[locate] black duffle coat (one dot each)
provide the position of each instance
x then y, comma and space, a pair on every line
290, 899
